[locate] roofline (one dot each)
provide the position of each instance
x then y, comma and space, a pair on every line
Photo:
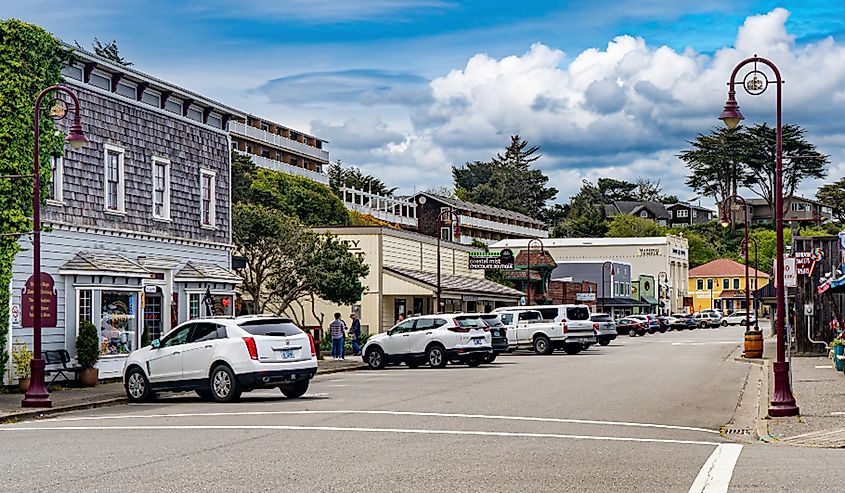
110, 273
250, 115
526, 217
563, 242
401, 233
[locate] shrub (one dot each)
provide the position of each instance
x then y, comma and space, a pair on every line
22, 358
87, 345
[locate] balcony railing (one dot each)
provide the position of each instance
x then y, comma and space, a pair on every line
489, 225
245, 130
390, 209
287, 168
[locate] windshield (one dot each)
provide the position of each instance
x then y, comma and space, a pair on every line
601, 318
492, 320
578, 313
270, 327
470, 322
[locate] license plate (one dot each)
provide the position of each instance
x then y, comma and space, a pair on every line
287, 354
496, 333
477, 342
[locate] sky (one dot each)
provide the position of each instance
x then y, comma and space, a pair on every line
404, 89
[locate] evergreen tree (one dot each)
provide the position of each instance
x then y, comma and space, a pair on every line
109, 51
833, 196
586, 217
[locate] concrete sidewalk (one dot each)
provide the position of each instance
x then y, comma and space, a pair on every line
66, 398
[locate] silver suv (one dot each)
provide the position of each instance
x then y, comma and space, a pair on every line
708, 318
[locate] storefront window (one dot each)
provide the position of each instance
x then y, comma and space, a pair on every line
194, 306
223, 305
86, 305
119, 322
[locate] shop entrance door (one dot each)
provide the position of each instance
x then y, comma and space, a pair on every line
153, 316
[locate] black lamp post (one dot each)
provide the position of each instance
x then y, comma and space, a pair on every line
37, 394
453, 217
528, 285
756, 83
725, 221
662, 278
756, 279
607, 265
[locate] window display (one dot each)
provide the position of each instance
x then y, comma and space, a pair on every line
118, 323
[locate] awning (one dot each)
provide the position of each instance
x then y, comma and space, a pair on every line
621, 303
456, 284
102, 263
732, 293
650, 300
206, 272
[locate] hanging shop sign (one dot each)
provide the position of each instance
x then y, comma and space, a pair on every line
491, 260
48, 305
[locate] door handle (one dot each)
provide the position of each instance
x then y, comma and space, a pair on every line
406, 335
428, 333
209, 346
177, 352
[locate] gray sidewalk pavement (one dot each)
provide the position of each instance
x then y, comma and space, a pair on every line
69, 398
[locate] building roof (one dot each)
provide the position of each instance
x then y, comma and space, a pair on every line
103, 262
481, 209
588, 242
538, 259
724, 267
687, 205
521, 275
633, 208
456, 283
206, 271
761, 201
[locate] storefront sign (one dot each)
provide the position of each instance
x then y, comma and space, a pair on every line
790, 276
49, 301
585, 296
491, 260
648, 252
803, 260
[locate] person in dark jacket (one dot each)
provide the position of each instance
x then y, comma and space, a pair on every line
354, 334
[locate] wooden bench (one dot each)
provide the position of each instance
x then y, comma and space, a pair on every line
62, 365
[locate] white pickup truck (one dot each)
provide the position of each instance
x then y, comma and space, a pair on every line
547, 328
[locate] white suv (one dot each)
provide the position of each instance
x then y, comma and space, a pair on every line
431, 339
738, 318
219, 358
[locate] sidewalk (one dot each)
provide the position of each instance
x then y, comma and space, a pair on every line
108, 394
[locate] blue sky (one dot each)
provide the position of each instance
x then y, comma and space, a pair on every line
405, 88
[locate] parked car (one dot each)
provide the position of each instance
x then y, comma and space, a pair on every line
498, 335
566, 327
707, 318
219, 358
664, 322
606, 328
431, 339
683, 321
738, 318
650, 322
631, 326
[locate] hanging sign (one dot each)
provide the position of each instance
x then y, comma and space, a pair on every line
491, 260
790, 274
48, 305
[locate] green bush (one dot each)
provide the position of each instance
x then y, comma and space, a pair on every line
87, 345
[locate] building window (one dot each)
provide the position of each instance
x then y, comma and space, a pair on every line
710, 284
194, 113
699, 284
249, 148
215, 120
72, 71
193, 305
726, 283
643, 214
114, 188
446, 233
100, 80
207, 184
265, 127
800, 207
56, 182
736, 283
682, 213
161, 188
85, 306
173, 105
119, 322
234, 145
127, 88
294, 162
151, 97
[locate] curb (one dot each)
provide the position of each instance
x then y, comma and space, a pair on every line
50, 411
340, 370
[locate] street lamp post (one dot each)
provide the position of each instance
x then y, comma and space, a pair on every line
607, 265
662, 277
528, 284
37, 394
756, 83
725, 221
756, 279
453, 218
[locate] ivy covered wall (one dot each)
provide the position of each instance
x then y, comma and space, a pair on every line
30, 60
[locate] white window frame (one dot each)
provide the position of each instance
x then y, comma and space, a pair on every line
121, 177
129, 84
644, 214
103, 75
212, 213
682, 213
165, 216
57, 180
801, 207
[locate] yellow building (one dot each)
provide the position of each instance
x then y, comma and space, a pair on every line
720, 284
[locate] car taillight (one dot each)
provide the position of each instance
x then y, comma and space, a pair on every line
456, 328
251, 347
313, 349
565, 327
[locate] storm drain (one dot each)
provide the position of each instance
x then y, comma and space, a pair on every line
737, 431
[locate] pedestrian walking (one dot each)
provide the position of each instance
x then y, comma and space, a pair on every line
338, 330
354, 334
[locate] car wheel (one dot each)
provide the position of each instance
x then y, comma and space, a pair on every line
295, 390
413, 364
662, 330
604, 342
475, 362
138, 386
490, 358
724, 323
224, 384
652, 331
632, 333
641, 333
436, 356
572, 349
375, 358
204, 394
542, 345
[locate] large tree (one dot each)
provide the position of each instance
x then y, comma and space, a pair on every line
243, 173
351, 177
717, 163
506, 181
626, 226
801, 160
833, 196
586, 218
312, 203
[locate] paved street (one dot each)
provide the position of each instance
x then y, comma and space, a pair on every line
642, 414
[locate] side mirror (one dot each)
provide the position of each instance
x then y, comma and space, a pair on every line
155, 344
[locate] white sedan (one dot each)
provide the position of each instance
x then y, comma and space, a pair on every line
219, 358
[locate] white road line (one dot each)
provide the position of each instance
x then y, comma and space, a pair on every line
390, 413
715, 475
691, 343
824, 366
357, 430
837, 413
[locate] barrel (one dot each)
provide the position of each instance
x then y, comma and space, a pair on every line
754, 344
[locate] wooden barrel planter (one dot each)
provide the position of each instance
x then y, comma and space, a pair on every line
754, 344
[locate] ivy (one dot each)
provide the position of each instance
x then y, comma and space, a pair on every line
30, 60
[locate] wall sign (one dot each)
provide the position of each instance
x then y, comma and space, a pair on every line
16, 315
49, 301
648, 252
491, 260
585, 296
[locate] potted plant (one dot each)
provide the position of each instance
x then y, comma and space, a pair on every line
838, 346
88, 353
22, 358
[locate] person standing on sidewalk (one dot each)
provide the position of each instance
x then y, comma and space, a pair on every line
354, 334
337, 329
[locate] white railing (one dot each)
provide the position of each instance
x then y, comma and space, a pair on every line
287, 168
390, 209
502, 227
277, 140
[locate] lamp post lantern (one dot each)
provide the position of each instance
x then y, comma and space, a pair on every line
725, 221
453, 219
528, 283
37, 394
756, 83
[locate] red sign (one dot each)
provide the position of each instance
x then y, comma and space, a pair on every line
49, 301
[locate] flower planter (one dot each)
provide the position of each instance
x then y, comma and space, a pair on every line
838, 363
89, 377
23, 384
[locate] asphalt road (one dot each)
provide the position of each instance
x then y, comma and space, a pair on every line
642, 414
